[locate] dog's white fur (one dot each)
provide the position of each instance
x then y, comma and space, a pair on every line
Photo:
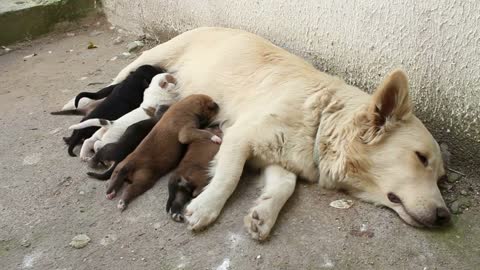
285, 116
161, 91
82, 103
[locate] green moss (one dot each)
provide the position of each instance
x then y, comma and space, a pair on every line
35, 20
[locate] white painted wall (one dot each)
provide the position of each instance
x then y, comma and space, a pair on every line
437, 42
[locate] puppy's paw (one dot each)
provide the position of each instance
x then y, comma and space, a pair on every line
111, 195
85, 158
259, 223
202, 211
178, 217
121, 205
216, 139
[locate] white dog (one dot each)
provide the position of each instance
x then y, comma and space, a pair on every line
285, 116
161, 91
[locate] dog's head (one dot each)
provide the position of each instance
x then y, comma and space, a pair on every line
399, 161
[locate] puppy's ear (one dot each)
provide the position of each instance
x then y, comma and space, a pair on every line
163, 84
390, 104
170, 79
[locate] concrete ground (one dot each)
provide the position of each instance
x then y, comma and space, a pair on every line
46, 198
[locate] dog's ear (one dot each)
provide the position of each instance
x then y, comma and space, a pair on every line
163, 84
390, 104
391, 100
170, 79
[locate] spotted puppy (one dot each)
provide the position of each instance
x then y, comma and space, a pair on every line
162, 149
114, 153
161, 91
191, 175
125, 97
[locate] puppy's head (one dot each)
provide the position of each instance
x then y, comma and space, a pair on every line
203, 106
395, 161
146, 72
160, 85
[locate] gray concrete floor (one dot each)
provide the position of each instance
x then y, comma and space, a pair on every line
46, 198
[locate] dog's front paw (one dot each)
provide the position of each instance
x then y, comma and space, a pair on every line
202, 211
259, 222
216, 139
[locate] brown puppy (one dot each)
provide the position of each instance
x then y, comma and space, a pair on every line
191, 175
163, 148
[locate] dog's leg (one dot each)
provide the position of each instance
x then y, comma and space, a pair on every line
279, 186
141, 182
231, 158
98, 145
89, 143
188, 134
87, 148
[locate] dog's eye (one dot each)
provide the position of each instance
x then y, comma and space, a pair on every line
393, 198
423, 159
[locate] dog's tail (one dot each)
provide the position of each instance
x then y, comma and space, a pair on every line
69, 112
96, 122
105, 175
95, 96
73, 141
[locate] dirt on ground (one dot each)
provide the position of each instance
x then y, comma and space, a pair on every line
46, 199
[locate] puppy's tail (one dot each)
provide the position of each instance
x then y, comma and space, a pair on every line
69, 112
95, 96
72, 142
105, 175
96, 122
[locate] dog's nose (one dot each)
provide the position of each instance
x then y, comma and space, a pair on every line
443, 216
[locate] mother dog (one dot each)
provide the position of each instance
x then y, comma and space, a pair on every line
294, 121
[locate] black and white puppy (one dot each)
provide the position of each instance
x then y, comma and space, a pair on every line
125, 97
118, 151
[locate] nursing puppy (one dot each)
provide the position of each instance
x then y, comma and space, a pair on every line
293, 121
191, 175
114, 153
124, 97
161, 91
164, 146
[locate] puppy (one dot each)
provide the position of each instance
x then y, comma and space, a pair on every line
191, 175
125, 97
118, 151
85, 102
164, 146
161, 91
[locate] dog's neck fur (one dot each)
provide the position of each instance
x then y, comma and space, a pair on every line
334, 132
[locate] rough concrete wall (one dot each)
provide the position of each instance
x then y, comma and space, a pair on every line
436, 42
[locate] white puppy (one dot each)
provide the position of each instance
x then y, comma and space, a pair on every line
161, 91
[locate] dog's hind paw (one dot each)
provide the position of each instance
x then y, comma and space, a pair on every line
121, 205
178, 217
216, 139
111, 195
